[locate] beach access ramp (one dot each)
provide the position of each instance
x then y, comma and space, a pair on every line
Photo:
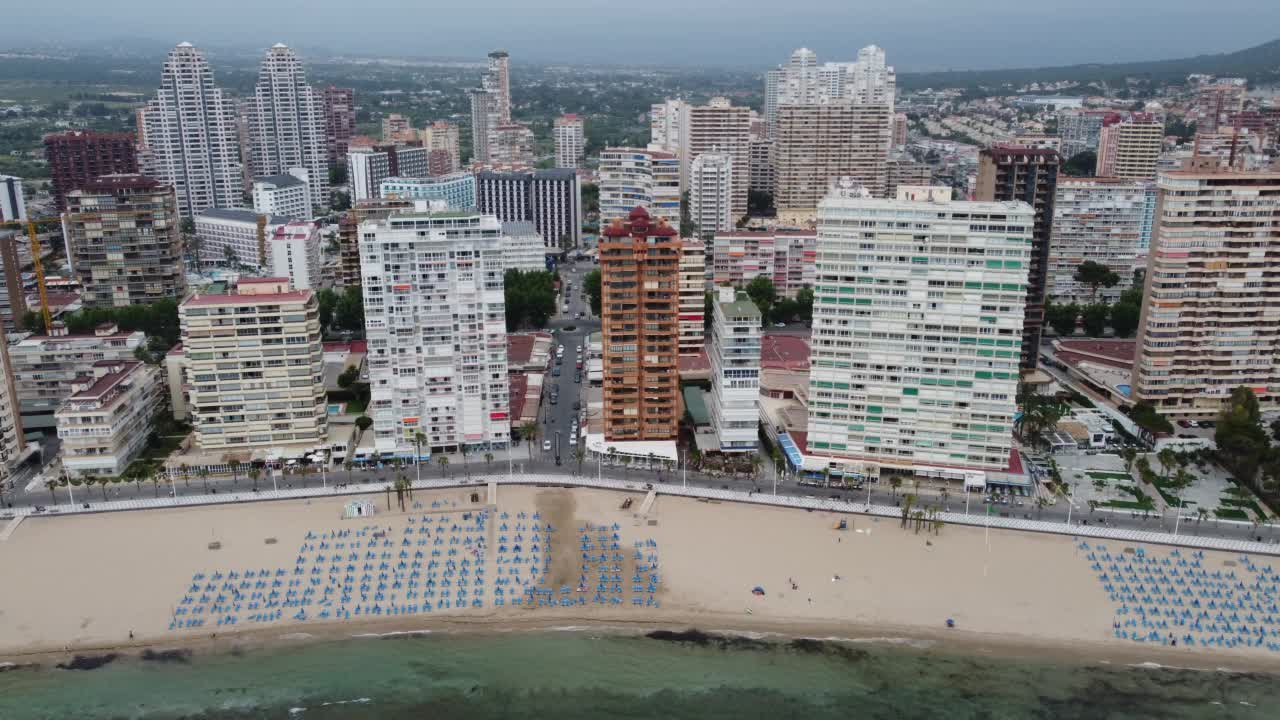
648, 502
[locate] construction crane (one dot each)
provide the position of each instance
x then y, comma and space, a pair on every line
37, 264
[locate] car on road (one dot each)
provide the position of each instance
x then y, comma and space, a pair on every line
546, 446
577, 404
578, 365
1193, 423
1184, 423
555, 399
556, 372
577, 377
779, 325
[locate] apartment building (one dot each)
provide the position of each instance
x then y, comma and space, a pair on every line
123, 241
12, 433
293, 252
339, 122
1102, 220
1210, 322
236, 237
367, 167
440, 138
105, 423
349, 235
511, 146
522, 246
631, 178
77, 156
286, 195
816, 144
254, 368
916, 330
396, 128
190, 130
1217, 101
640, 282
45, 366
13, 296
287, 127
13, 206
1080, 130
1130, 149
725, 129
666, 123
436, 325
571, 141
693, 296
902, 171
764, 176
735, 371
784, 256
550, 199
1013, 173
457, 190
711, 193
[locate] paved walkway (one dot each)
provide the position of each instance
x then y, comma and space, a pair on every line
887, 511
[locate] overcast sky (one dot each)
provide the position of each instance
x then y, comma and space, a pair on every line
917, 34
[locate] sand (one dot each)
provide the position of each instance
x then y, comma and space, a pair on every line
84, 582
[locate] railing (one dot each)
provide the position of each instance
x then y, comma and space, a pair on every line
801, 503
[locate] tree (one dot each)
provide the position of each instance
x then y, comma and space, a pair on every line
327, 300
760, 203
348, 377
1082, 164
1095, 319
1124, 318
1167, 459
529, 433
580, 454
341, 201
1062, 318
895, 482
462, 448
51, 484
761, 292
363, 423
590, 198
688, 228
348, 312
1129, 455
1096, 276
235, 471
708, 310
203, 474
443, 462
255, 474
804, 305
591, 286
529, 297
1242, 443
1145, 416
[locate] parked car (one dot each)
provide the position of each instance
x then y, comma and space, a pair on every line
1183, 423
546, 446
555, 399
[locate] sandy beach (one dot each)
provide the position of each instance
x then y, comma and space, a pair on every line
84, 583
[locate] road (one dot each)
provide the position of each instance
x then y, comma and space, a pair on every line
556, 420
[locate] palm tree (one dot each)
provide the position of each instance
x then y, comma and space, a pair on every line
203, 472
1041, 502
304, 462
364, 422
255, 473
895, 482
418, 440
462, 448
154, 477
1129, 455
907, 501
1167, 459
235, 471
91, 480
826, 476
347, 463
529, 433
580, 455
626, 467
51, 484
186, 473
488, 461
443, 462
402, 486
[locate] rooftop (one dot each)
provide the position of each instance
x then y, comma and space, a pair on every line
245, 215
235, 299
784, 351
280, 180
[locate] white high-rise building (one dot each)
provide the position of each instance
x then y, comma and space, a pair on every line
693, 296
666, 125
1102, 220
710, 193
293, 251
287, 124
735, 371
631, 178
917, 328
12, 205
285, 195
800, 79
774, 80
522, 246
571, 141
192, 137
436, 325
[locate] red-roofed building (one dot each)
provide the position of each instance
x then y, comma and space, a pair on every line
105, 423
788, 352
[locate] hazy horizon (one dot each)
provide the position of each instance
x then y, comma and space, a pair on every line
918, 35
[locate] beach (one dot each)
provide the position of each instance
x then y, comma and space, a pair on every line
85, 583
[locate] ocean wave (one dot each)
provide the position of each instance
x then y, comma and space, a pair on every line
395, 633
909, 642
354, 701
297, 636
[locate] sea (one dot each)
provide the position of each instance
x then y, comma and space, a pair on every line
592, 673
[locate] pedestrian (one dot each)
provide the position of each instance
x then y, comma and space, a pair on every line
130, 634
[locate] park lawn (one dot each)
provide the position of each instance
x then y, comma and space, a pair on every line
1104, 475
1231, 514
1145, 504
1237, 503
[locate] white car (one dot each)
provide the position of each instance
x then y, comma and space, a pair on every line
546, 446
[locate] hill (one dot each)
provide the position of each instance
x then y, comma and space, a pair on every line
1260, 64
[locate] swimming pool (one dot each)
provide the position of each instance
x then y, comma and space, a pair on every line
1124, 389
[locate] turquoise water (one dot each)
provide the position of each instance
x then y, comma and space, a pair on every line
581, 675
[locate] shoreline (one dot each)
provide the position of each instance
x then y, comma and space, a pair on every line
716, 626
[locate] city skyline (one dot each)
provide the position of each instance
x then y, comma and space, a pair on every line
910, 29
